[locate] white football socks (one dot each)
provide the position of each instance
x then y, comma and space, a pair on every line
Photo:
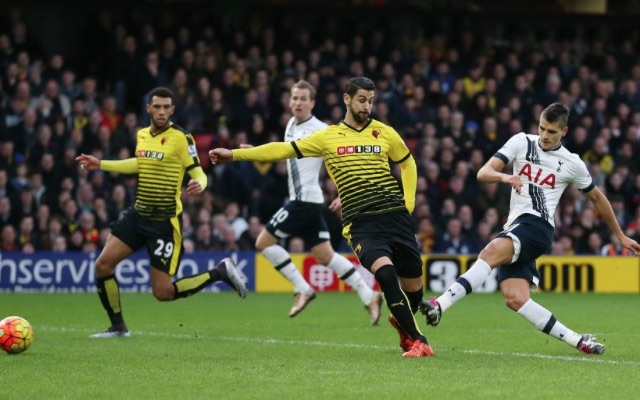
544, 320
279, 256
341, 266
475, 276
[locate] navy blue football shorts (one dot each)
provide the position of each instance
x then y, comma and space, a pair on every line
300, 218
532, 237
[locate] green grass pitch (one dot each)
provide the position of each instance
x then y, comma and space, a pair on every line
217, 346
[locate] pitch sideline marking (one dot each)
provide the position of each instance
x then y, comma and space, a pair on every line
350, 345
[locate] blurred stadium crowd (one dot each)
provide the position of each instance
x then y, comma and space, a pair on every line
455, 92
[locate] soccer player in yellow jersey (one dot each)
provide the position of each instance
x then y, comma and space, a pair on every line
302, 215
163, 153
375, 211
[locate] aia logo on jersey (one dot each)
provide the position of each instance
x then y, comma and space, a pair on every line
375, 134
537, 176
358, 149
150, 154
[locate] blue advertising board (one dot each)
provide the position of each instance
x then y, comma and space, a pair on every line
75, 272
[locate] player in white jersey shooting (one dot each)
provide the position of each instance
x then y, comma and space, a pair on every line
302, 215
543, 169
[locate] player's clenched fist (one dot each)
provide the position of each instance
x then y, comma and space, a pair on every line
88, 162
220, 155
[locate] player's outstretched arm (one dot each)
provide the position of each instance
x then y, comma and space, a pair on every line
91, 163
604, 208
274, 151
220, 155
88, 162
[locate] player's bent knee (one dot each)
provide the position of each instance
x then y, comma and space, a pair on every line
323, 253
499, 251
104, 268
264, 240
323, 259
411, 284
515, 303
164, 294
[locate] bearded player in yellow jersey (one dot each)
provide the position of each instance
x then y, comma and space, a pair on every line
375, 212
164, 152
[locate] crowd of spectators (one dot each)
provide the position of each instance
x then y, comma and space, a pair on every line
455, 94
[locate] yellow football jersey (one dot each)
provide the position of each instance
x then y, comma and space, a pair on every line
162, 161
358, 162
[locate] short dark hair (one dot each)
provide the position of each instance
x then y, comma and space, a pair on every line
359, 82
160, 92
556, 113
